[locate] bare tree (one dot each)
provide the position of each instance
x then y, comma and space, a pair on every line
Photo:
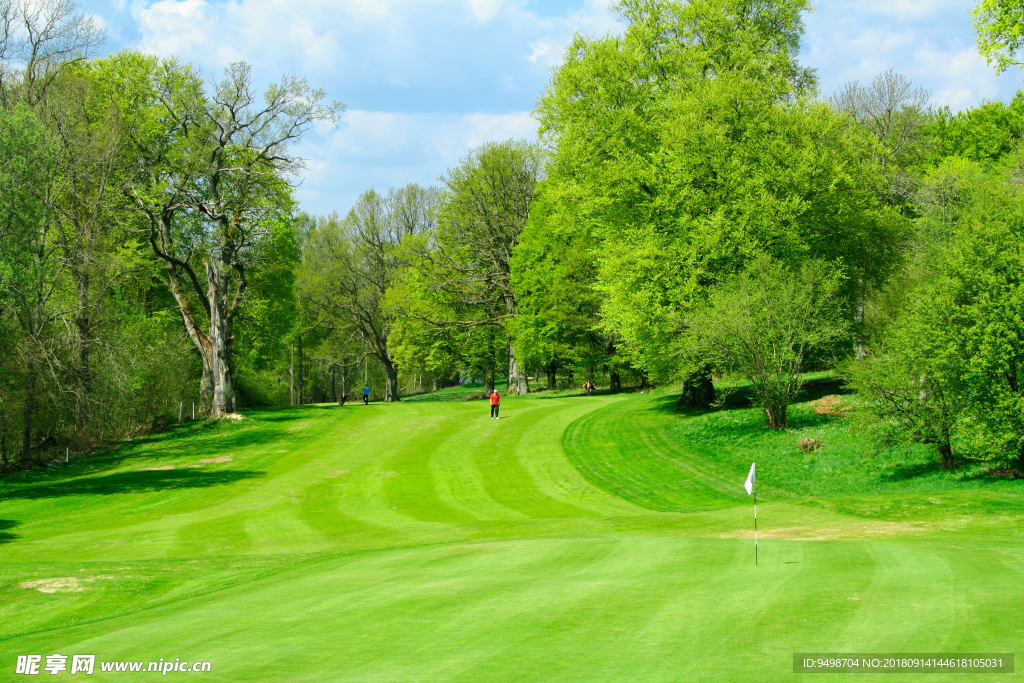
894, 111
37, 38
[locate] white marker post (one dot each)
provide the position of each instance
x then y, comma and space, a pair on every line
750, 486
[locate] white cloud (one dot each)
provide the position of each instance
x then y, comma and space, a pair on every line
390, 149
929, 41
485, 10
173, 26
543, 51
909, 9
965, 78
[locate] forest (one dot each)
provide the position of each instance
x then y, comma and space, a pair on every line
693, 208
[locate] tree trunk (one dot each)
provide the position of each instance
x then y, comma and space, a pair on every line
946, 448
334, 388
291, 378
302, 376
83, 322
616, 383
552, 371
698, 390
433, 381
489, 380
29, 413
946, 455
220, 344
517, 384
776, 416
3, 439
390, 382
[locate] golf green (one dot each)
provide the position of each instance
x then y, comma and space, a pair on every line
576, 539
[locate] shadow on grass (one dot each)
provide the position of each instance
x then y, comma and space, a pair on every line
132, 482
5, 535
912, 470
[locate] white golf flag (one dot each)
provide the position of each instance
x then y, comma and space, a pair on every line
749, 484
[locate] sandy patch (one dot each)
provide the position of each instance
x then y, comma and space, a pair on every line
237, 417
156, 469
65, 585
210, 461
848, 532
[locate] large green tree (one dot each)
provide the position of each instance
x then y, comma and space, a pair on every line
213, 187
1000, 27
466, 268
693, 143
30, 264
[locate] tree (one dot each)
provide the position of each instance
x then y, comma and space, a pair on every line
987, 132
895, 113
553, 274
42, 38
766, 322
944, 367
30, 263
468, 265
213, 187
350, 267
1000, 27
909, 393
692, 144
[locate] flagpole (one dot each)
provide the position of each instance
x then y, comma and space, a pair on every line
755, 524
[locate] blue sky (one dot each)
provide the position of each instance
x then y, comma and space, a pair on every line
426, 80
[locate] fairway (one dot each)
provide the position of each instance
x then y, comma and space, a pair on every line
576, 539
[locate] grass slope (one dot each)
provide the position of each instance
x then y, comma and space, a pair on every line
577, 539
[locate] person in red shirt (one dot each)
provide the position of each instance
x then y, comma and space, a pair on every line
494, 404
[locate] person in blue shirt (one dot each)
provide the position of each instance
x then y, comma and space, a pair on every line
366, 395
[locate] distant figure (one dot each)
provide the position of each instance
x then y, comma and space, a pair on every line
589, 386
494, 404
341, 401
366, 395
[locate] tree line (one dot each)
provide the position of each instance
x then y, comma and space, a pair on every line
693, 206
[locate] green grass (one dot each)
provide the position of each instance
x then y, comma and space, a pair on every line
577, 539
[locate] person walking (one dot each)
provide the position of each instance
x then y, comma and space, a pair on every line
366, 394
495, 399
589, 386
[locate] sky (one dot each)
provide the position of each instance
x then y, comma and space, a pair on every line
425, 81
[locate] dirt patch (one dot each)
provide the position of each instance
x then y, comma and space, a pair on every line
336, 473
210, 461
830, 405
65, 585
156, 469
847, 532
237, 417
